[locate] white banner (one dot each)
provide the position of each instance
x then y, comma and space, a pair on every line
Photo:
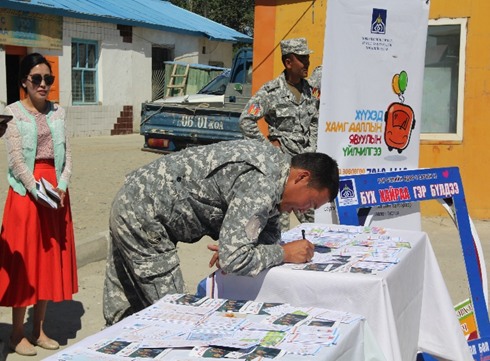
371, 93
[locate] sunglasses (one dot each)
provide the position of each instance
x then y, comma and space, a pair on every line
37, 79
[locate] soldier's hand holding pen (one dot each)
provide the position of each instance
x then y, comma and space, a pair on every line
299, 251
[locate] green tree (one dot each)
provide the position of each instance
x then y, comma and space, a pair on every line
236, 14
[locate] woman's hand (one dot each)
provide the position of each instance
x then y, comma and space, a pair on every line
62, 195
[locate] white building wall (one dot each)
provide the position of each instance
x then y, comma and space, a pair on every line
187, 48
216, 52
100, 119
124, 71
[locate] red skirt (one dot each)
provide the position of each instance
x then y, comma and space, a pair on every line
37, 248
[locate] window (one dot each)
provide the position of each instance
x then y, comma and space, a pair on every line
443, 95
84, 72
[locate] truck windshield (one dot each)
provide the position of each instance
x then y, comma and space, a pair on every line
217, 86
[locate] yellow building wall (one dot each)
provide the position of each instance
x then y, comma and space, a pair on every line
279, 20
472, 154
283, 19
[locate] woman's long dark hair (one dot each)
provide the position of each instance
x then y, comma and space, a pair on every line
29, 62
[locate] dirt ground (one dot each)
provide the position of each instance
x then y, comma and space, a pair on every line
100, 165
99, 168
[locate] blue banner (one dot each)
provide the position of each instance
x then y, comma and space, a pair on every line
400, 188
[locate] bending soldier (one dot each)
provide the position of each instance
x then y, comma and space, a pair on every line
231, 191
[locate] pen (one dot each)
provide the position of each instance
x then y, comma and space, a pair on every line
303, 234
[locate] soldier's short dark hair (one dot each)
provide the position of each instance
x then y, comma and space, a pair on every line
324, 171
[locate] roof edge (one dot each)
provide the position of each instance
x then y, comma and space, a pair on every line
48, 10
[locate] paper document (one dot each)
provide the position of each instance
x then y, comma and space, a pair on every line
47, 193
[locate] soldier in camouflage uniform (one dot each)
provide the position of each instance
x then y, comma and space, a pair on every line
315, 81
289, 108
231, 191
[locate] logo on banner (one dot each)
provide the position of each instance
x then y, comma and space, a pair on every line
378, 21
347, 193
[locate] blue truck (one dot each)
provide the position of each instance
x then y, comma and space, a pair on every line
210, 116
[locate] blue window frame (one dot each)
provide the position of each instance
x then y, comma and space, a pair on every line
84, 72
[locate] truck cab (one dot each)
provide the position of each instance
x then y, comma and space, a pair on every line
209, 116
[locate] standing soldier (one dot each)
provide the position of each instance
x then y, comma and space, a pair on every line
289, 108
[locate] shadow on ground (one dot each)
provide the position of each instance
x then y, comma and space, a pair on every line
63, 321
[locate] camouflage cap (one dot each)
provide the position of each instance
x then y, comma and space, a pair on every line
295, 46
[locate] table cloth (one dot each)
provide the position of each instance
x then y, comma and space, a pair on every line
407, 306
166, 324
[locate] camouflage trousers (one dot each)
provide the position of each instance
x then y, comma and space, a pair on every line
307, 217
132, 282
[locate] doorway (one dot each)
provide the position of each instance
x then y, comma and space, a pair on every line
13, 56
159, 55
12, 63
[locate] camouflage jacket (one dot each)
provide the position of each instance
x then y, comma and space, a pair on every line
294, 124
229, 191
315, 81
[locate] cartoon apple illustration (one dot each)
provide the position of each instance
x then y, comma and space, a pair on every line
399, 121
399, 117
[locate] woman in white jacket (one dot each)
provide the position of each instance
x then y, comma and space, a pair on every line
37, 251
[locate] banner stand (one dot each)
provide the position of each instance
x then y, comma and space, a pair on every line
443, 184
